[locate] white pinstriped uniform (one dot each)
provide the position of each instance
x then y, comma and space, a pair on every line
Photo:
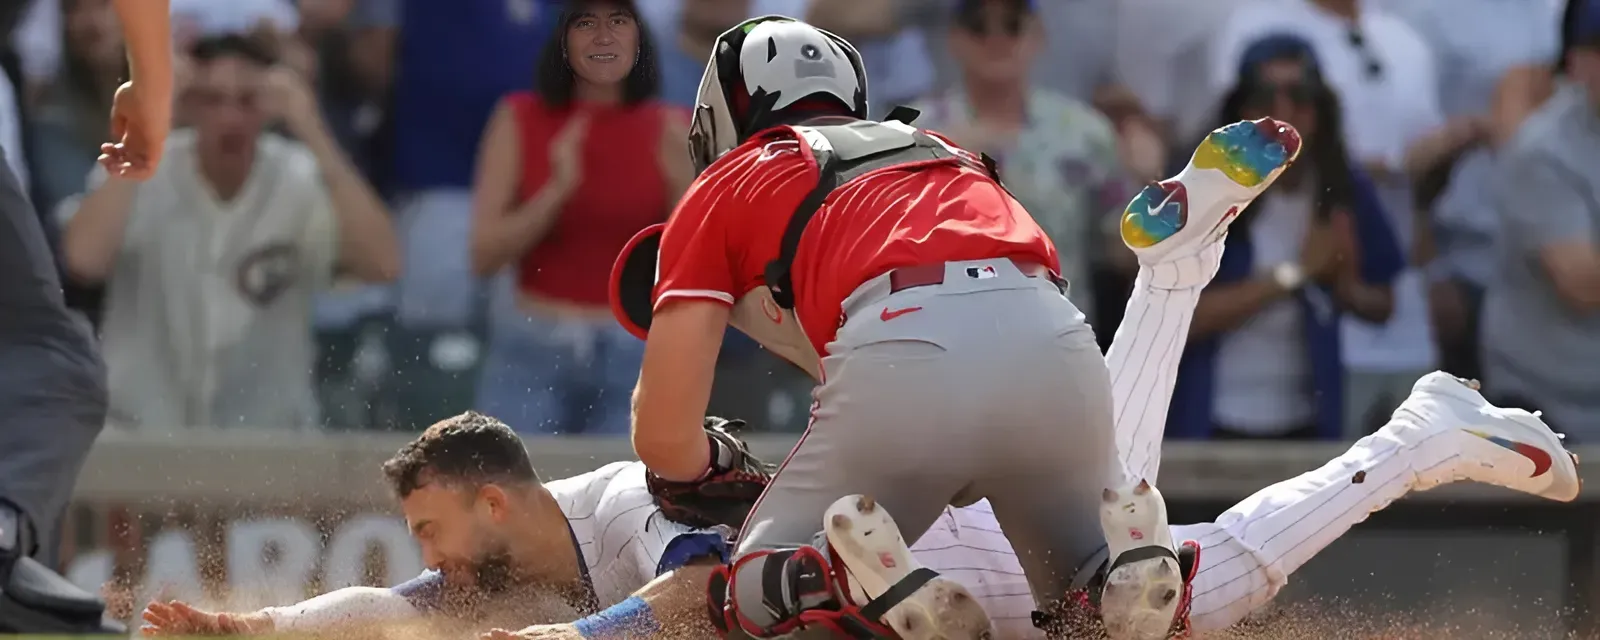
621, 534
1249, 552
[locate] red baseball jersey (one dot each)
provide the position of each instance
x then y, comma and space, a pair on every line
730, 224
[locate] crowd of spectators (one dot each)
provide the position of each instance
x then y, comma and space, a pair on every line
378, 212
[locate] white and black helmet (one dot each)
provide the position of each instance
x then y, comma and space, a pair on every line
763, 66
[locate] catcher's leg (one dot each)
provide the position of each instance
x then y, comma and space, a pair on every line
1444, 432
1047, 462
883, 427
1176, 228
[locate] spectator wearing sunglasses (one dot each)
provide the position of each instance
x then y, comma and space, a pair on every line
1387, 82
1541, 318
1264, 357
1057, 154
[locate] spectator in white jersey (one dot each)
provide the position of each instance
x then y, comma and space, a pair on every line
210, 267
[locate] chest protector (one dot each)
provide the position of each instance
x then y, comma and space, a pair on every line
843, 153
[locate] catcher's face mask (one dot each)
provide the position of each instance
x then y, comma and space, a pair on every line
633, 280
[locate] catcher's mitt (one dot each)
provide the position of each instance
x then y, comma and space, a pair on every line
727, 493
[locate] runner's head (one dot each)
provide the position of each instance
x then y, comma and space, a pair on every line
464, 486
770, 71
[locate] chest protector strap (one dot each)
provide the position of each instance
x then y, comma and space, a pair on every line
845, 152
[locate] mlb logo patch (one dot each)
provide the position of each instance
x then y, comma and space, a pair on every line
981, 273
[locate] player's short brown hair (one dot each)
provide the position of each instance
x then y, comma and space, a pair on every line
471, 448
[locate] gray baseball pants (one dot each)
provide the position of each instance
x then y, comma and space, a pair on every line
52, 382
978, 380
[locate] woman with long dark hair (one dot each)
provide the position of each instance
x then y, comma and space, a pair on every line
1263, 356
565, 177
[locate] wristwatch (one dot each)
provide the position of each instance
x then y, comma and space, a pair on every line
1289, 276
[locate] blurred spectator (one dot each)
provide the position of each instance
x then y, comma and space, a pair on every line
1386, 80
1524, 87
1541, 319
1475, 43
38, 43
1077, 60
211, 265
453, 63
69, 122
1057, 155
1263, 359
205, 18
12, 106
684, 38
354, 41
891, 44
1169, 73
547, 202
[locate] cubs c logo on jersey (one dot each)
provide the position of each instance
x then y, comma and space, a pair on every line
267, 272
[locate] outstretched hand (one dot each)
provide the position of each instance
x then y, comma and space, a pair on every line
141, 116
175, 618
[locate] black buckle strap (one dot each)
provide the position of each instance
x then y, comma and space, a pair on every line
1141, 553
898, 593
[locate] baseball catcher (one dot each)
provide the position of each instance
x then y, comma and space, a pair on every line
895, 268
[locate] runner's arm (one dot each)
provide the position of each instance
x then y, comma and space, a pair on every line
672, 606
365, 606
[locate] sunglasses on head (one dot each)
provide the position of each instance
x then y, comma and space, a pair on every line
1371, 64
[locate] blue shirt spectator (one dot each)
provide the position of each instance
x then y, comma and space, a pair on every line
455, 61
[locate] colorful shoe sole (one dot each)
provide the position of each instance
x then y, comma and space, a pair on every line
1248, 153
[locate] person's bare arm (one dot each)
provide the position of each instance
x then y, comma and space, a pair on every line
669, 403
1574, 268
95, 234
502, 229
1544, 212
368, 246
348, 610
1519, 93
147, 32
1442, 144
1223, 308
1370, 302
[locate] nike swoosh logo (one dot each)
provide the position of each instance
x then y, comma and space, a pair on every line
1539, 457
888, 315
1161, 206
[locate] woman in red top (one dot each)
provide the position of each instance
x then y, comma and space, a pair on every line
564, 179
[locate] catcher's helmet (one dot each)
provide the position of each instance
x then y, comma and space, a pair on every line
759, 70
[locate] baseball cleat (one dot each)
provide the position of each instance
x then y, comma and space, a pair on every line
1509, 448
1231, 167
1145, 587
861, 534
